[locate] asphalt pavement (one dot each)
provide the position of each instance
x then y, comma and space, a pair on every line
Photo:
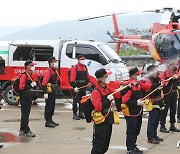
71, 137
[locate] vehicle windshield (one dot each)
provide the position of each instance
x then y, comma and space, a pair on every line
111, 54
176, 38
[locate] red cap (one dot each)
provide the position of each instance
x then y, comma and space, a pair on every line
108, 73
139, 72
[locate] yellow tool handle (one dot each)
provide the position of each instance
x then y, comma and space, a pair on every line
151, 92
83, 87
157, 88
119, 89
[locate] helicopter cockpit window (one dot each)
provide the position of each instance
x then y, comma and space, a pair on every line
162, 44
34, 53
90, 53
176, 38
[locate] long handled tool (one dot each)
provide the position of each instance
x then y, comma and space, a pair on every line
88, 85
157, 88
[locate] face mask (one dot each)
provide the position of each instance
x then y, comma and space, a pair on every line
32, 68
82, 62
107, 81
56, 65
138, 77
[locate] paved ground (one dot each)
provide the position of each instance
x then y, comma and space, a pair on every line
71, 137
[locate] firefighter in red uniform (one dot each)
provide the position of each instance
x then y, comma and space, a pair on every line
101, 99
50, 79
1, 104
170, 98
26, 86
178, 106
133, 101
157, 101
79, 77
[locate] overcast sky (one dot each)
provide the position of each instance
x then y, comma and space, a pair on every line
38, 12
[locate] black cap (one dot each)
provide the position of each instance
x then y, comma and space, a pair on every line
52, 59
151, 68
134, 71
28, 62
80, 57
101, 73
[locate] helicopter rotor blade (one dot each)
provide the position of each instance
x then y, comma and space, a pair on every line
107, 15
163, 10
95, 17
150, 11
156, 11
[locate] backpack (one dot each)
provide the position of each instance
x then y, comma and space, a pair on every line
15, 85
87, 106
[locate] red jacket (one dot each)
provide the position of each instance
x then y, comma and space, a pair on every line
47, 76
74, 70
165, 75
23, 81
96, 96
135, 86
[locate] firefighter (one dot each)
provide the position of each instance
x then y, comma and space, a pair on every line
26, 86
133, 100
157, 101
178, 109
172, 51
50, 79
79, 77
101, 99
170, 98
1, 104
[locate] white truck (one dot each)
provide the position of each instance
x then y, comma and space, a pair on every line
98, 55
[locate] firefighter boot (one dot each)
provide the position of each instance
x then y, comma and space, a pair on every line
81, 115
75, 117
136, 149
163, 129
54, 123
158, 138
178, 120
153, 141
49, 124
173, 128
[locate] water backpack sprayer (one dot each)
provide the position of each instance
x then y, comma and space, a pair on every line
97, 117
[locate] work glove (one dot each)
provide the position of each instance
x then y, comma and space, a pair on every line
110, 97
33, 84
45, 96
175, 76
140, 102
76, 90
1, 103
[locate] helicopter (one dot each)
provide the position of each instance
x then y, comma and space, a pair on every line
159, 39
